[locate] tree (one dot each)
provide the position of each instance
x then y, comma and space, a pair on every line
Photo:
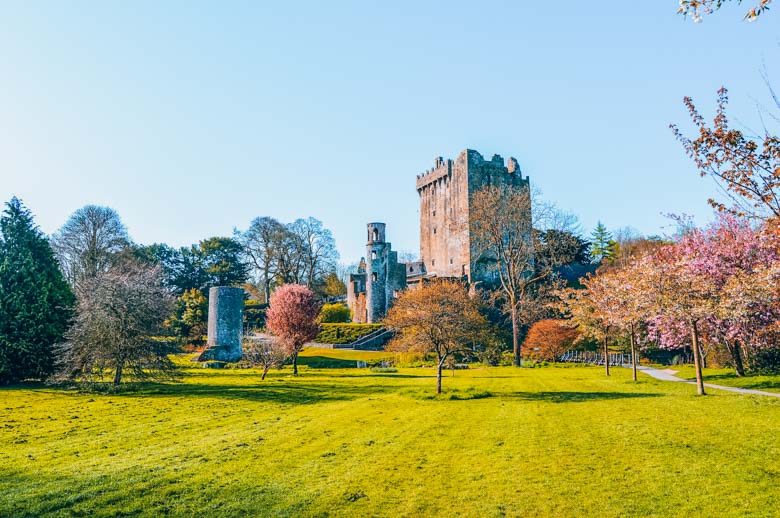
36, 302
317, 249
266, 354
548, 339
439, 318
221, 258
680, 293
334, 286
744, 169
292, 318
736, 264
190, 315
89, 243
602, 244
121, 313
697, 8
580, 307
334, 314
506, 244
261, 242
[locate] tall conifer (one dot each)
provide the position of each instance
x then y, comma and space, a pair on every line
36, 302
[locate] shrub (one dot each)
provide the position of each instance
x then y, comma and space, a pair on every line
334, 314
766, 361
344, 333
384, 370
254, 314
548, 339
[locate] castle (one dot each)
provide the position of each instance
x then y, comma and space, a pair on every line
447, 249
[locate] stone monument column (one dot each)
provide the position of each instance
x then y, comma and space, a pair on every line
225, 326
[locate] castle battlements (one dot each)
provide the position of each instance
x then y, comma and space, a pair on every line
472, 159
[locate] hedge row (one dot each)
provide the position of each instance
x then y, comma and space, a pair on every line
344, 333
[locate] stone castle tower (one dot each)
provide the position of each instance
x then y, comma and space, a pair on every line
446, 191
380, 278
446, 247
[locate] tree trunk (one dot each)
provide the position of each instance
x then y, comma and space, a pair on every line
633, 352
265, 371
606, 354
697, 358
515, 336
438, 376
118, 375
295, 364
736, 354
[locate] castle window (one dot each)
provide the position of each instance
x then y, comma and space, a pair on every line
433, 262
373, 254
373, 276
411, 269
434, 230
450, 260
375, 235
434, 212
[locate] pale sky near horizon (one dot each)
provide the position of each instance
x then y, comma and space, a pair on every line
192, 118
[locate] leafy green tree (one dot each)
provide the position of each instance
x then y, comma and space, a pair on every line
221, 258
602, 246
35, 299
190, 315
333, 286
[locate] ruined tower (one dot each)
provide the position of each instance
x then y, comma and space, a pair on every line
370, 291
446, 191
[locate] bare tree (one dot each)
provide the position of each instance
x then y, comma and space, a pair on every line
521, 244
317, 248
120, 316
261, 245
266, 354
89, 243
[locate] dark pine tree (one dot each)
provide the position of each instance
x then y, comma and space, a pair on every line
36, 302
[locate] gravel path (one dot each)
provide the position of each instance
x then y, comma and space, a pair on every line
668, 375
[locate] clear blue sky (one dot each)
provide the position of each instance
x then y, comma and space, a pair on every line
191, 118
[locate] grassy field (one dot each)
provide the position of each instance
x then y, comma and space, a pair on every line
729, 378
347, 442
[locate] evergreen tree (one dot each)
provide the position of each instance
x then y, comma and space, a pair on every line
602, 244
36, 302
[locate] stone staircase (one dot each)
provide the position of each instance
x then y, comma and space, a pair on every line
374, 341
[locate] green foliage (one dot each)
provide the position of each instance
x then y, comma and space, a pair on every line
333, 286
36, 302
222, 261
254, 314
602, 246
190, 316
344, 333
334, 314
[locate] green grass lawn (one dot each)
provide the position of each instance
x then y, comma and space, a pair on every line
729, 378
347, 442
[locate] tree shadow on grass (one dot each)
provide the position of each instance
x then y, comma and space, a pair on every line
574, 397
298, 392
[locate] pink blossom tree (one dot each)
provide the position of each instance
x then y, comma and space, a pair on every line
292, 318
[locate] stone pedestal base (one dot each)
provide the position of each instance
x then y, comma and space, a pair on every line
220, 353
